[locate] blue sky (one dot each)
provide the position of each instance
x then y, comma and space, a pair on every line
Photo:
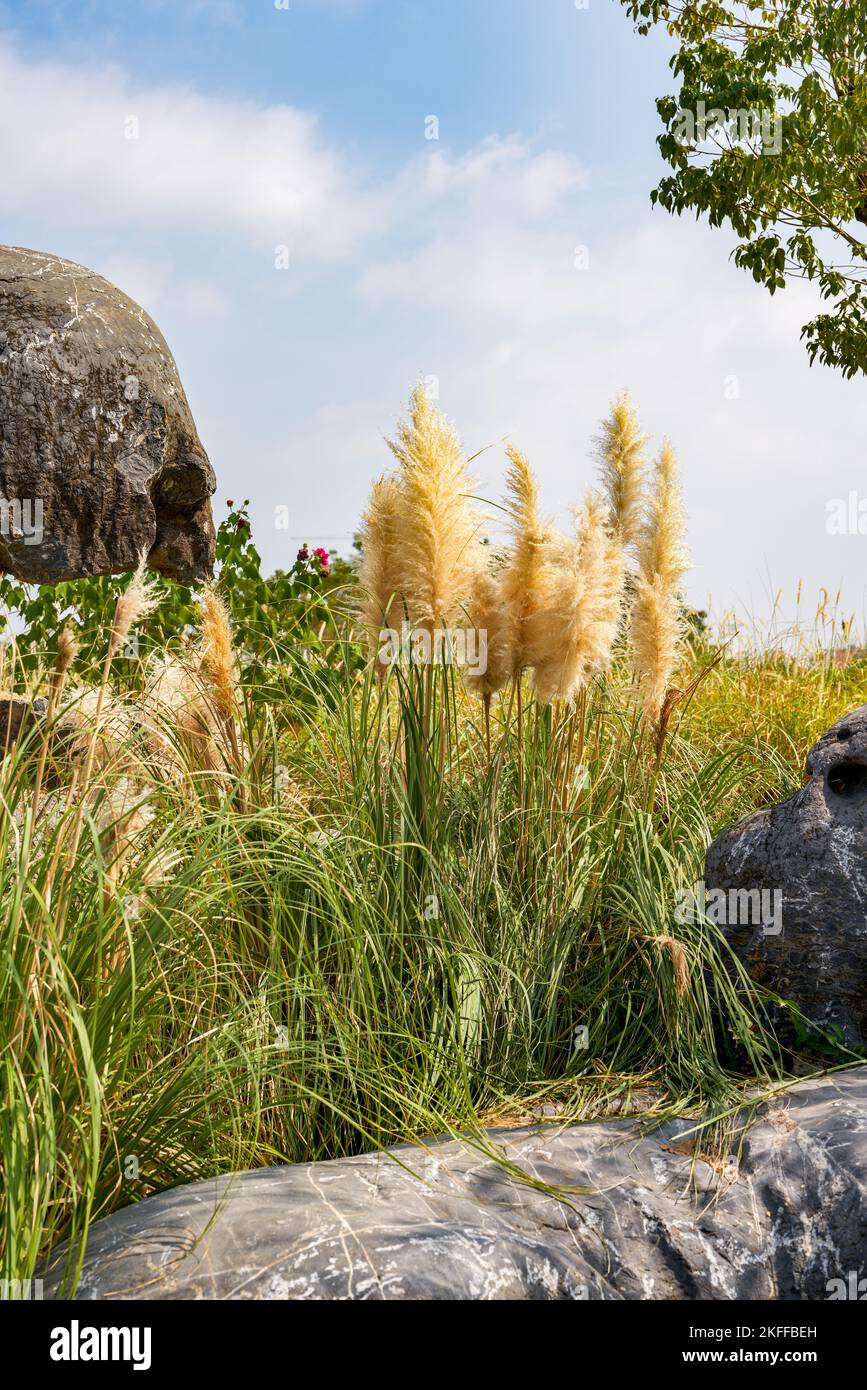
454, 259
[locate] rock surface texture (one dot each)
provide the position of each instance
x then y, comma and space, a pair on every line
99, 455
812, 851
18, 717
783, 1215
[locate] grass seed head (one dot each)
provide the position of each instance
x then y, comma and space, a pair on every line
622, 465
492, 620
526, 582
656, 625
437, 528
218, 658
575, 635
135, 604
380, 573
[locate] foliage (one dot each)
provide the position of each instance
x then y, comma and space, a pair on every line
299, 904
272, 614
793, 201
377, 930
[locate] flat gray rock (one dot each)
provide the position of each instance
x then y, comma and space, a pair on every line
779, 1217
99, 456
811, 851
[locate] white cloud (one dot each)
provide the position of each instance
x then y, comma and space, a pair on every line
109, 152
483, 228
478, 287
498, 176
157, 284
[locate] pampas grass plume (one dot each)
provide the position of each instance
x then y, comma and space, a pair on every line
491, 615
574, 636
379, 572
526, 581
68, 647
622, 466
218, 659
656, 628
679, 961
436, 525
137, 602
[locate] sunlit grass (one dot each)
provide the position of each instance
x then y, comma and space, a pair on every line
380, 929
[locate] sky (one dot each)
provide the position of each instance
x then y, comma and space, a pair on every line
322, 202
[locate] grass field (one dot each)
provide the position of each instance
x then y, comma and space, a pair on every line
257, 913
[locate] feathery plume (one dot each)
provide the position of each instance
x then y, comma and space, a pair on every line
218, 658
525, 584
218, 669
181, 719
67, 650
122, 812
181, 724
679, 962
68, 647
661, 549
491, 619
137, 602
656, 628
622, 464
575, 634
379, 572
93, 726
436, 524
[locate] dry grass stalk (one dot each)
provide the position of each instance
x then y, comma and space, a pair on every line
492, 623
656, 628
136, 603
622, 465
380, 572
525, 584
679, 961
436, 526
574, 635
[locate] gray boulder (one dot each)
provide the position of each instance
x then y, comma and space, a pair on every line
99, 455
808, 856
782, 1214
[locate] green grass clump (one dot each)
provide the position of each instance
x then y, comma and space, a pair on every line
374, 919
